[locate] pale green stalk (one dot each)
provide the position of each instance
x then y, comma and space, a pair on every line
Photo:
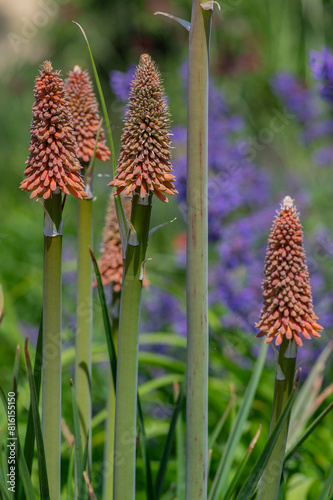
197, 255
110, 421
284, 382
51, 396
128, 344
84, 319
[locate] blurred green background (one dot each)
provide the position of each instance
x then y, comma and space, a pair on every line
251, 41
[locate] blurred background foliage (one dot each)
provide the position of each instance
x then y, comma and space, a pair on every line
252, 42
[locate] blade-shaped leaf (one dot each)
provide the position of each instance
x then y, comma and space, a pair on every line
82, 492
122, 221
106, 320
29, 441
42, 472
257, 471
145, 454
24, 473
236, 480
168, 442
182, 22
307, 433
221, 477
327, 491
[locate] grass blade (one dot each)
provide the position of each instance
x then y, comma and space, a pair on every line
70, 490
253, 479
180, 447
3, 472
168, 442
81, 490
145, 454
216, 432
122, 221
29, 441
238, 475
24, 473
43, 481
327, 492
106, 320
307, 433
221, 477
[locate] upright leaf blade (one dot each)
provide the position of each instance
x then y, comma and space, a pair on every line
251, 483
24, 473
221, 477
145, 454
168, 443
106, 320
29, 441
43, 481
82, 492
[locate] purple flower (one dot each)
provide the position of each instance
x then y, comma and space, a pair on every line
321, 64
120, 83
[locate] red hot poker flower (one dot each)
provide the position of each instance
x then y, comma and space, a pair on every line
52, 163
288, 310
144, 163
83, 107
111, 260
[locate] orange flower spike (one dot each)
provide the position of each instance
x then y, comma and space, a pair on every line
111, 260
52, 163
288, 309
83, 107
144, 163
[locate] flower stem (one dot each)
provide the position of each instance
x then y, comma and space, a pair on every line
51, 399
127, 366
84, 321
197, 255
270, 482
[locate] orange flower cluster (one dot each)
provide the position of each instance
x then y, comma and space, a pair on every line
111, 260
83, 107
144, 163
288, 310
52, 163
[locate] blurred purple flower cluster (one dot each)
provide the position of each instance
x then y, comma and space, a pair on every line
312, 107
240, 210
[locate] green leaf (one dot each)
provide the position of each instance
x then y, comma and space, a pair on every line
156, 383
82, 492
168, 443
29, 441
307, 433
235, 483
122, 221
3, 472
145, 455
222, 473
106, 320
162, 361
251, 483
216, 432
327, 491
185, 24
42, 472
307, 395
70, 489
180, 447
24, 473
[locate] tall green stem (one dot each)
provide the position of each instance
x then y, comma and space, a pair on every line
110, 421
84, 320
51, 398
128, 344
270, 482
197, 255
